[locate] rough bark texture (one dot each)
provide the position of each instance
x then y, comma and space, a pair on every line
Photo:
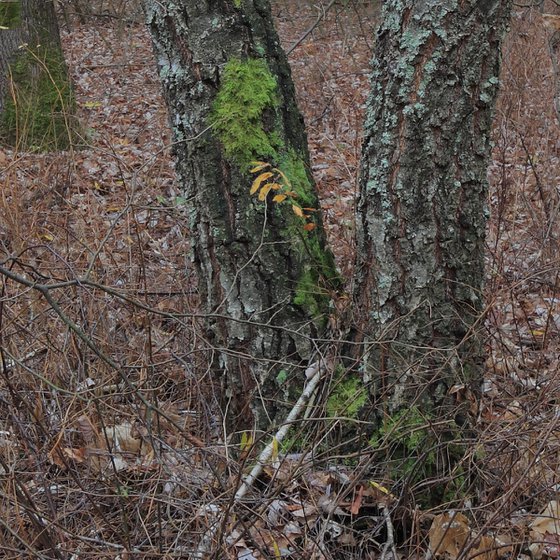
263, 279
421, 211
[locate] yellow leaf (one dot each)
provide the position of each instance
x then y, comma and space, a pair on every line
259, 166
275, 186
47, 236
277, 552
297, 210
309, 227
246, 441
274, 455
259, 181
279, 198
264, 191
311, 209
378, 486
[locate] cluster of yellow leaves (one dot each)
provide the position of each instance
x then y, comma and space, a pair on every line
272, 179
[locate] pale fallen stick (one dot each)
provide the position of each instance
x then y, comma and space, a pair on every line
313, 373
390, 542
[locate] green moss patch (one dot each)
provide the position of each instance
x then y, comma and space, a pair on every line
407, 432
294, 168
419, 452
309, 295
10, 14
248, 89
38, 117
347, 397
313, 291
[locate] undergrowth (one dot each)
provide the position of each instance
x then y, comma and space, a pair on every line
111, 439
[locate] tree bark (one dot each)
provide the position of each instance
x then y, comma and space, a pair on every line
35, 24
421, 212
264, 275
32, 69
11, 37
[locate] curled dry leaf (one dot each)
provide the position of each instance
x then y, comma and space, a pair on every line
545, 532
87, 429
551, 22
120, 438
63, 456
450, 535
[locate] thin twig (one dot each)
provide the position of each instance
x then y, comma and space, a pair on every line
321, 16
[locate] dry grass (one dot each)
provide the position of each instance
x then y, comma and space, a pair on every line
111, 440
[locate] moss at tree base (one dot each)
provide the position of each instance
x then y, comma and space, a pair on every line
420, 453
38, 111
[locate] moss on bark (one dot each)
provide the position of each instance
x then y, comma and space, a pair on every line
245, 117
10, 14
248, 89
415, 446
36, 115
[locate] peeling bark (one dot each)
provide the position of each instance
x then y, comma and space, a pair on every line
249, 256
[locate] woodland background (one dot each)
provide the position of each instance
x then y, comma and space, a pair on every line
89, 470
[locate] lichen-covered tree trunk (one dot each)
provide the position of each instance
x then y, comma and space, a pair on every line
35, 95
421, 213
264, 273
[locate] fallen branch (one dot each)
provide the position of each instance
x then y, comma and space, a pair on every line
314, 374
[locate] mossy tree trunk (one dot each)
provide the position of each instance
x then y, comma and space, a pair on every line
264, 273
421, 213
36, 100
11, 37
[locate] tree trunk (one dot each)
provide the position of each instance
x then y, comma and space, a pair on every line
12, 35
35, 94
264, 273
421, 213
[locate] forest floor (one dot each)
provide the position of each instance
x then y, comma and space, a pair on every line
89, 470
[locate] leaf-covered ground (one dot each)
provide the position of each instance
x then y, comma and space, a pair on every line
110, 441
